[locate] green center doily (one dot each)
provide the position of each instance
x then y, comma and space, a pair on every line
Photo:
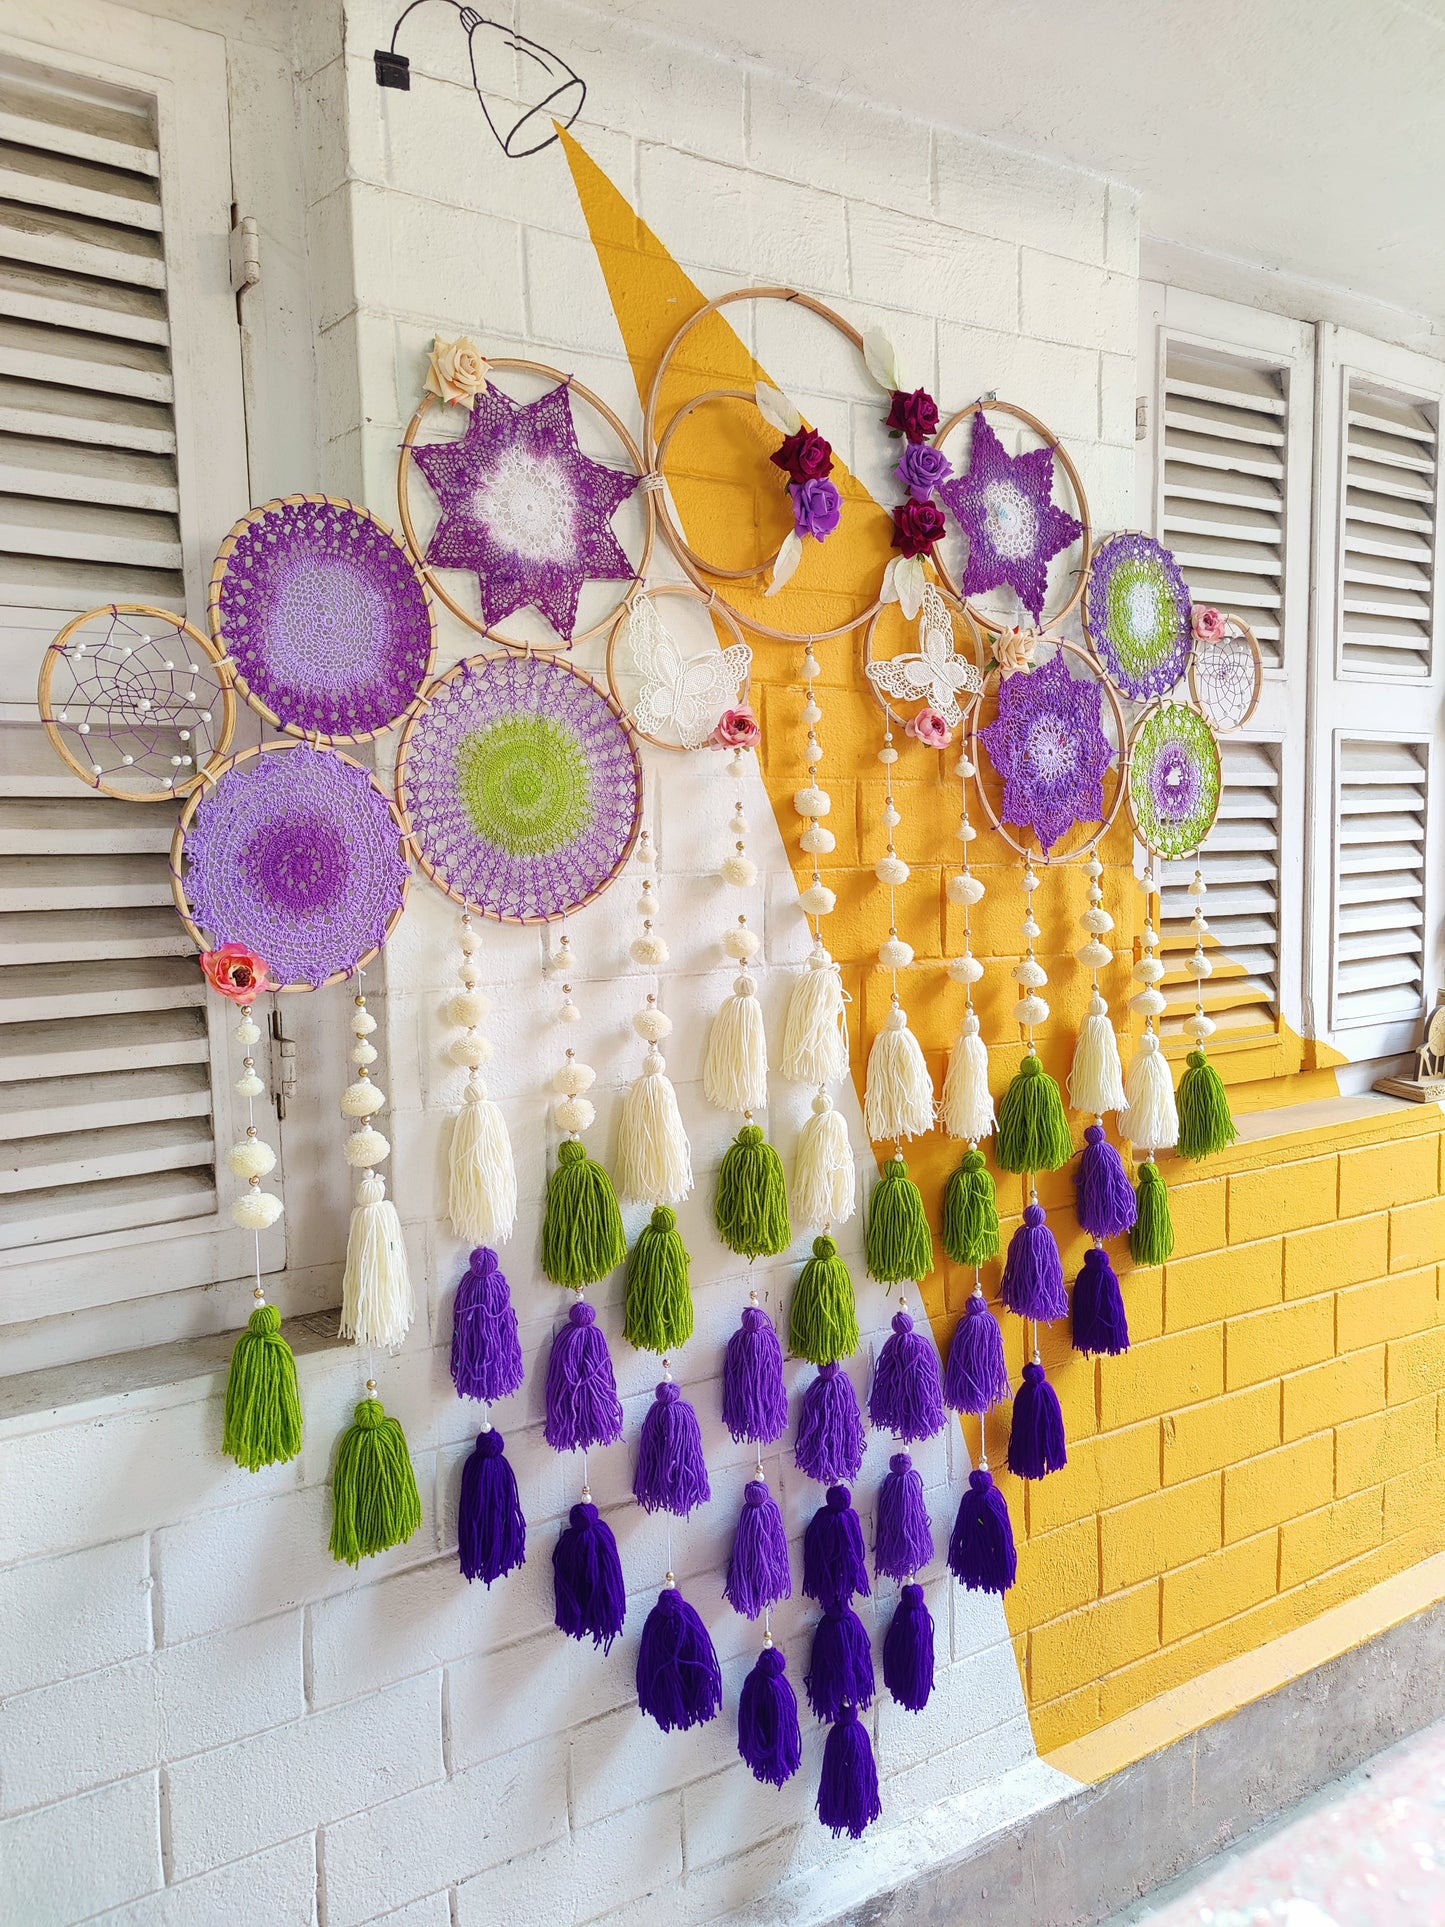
526, 785
1143, 615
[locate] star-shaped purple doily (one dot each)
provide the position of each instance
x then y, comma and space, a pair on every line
524, 508
1047, 746
1005, 506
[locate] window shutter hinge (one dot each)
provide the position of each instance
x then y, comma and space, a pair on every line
1141, 418
245, 254
283, 1065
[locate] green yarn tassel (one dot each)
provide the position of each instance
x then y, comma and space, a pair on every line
970, 1213
1205, 1125
1152, 1239
824, 1323
659, 1314
263, 1400
751, 1207
900, 1244
374, 1500
582, 1235
1033, 1132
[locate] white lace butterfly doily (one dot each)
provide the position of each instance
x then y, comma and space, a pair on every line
937, 675
682, 697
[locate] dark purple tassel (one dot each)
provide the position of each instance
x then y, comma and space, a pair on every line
1036, 1443
1106, 1203
759, 1574
486, 1351
754, 1397
1033, 1271
679, 1681
981, 1551
769, 1737
582, 1404
976, 1375
907, 1394
591, 1600
671, 1475
840, 1666
903, 1539
830, 1440
848, 1790
1101, 1323
835, 1566
908, 1651
491, 1532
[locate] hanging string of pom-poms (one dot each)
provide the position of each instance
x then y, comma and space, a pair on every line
481, 1173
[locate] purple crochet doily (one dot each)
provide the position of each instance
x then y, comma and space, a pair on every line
324, 617
1004, 505
1138, 616
298, 855
1047, 745
522, 787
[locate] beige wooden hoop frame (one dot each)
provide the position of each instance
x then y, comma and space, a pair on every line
55, 650
1247, 636
213, 615
1046, 621
656, 448
976, 637
475, 624
1164, 856
178, 887
1049, 860
712, 602
403, 808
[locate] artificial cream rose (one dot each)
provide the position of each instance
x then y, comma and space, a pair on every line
457, 370
1014, 650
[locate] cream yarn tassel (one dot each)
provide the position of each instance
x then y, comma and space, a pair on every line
815, 1031
1096, 1082
1151, 1122
482, 1175
735, 1069
824, 1190
376, 1299
967, 1108
654, 1160
898, 1095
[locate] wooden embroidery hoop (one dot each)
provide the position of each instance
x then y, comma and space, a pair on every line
1246, 636
713, 603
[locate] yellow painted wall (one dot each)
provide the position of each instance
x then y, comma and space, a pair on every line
1270, 1445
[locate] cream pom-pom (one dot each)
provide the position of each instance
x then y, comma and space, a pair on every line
964, 888
894, 954
362, 1022
473, 1050
1148, 970
256, 1210
249, 1085
652, 1024
248, 1031
812, 802
467, 1007
816, 841
1149, 1003
818, 900
362, 1099
966, 969
574, 1077
1199, 1026
1094, 955
575, 1114
891, 870
362, 1052
741, 943
1031, 1011
1030, 973
251, 1158
649, 950
738, 870
1097, 921
366, 1147
470, 941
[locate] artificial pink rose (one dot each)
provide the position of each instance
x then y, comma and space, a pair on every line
914, 416
1210, 625
235, 971
737, 729
805, 456
929, 728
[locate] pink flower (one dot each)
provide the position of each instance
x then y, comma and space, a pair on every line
930, 729
235, 971
737, 729
1210, 625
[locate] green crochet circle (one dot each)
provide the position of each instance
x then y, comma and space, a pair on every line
526, 785
1143, 614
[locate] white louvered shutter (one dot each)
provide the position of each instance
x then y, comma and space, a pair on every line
1387, 546
1381, 811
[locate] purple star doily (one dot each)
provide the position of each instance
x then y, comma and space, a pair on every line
1047, 745
1004, 505
524, 508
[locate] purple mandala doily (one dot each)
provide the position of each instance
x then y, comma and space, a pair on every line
522, 787
524, 509
1138, 616
324, 617
298, 855
1047, 745
1004, 505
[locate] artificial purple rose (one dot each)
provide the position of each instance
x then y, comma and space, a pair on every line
805, 456
817, 507
916, 527
913, 415
921, 467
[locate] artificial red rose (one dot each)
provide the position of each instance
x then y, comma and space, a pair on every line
913, 415
916, 527
737, 729
805, 456
235, 971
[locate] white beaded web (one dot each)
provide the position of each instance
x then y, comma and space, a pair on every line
1224, 679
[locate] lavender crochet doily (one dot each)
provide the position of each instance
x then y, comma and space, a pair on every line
522, 787
324, 617
1138, 616
1047, 744
1005, 506
299, 856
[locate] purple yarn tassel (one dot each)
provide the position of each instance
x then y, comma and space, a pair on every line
591, 1600
582, 1404
1106, 1203
835, 1566
769, 1737
1036, 1444
976, 1376
679, 1681
754, 1397
486, 1351
671, 1474
759, 1574
1033, 1272
907, 1394
830, 1440
491, 1532
848, 1789
1101, 1323
840, 1666
981, 1553
903, 1539
908, 1651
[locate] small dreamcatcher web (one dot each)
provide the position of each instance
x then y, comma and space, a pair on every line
136, 702
1225, 670
681, 697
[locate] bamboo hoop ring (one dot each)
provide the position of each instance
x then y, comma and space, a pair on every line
298, 731
993, 625
1110, 816
1247, 636
1157, 855
698, 569
54, 653
403, 805
417, 549
956, 609
193, 801
715, 606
